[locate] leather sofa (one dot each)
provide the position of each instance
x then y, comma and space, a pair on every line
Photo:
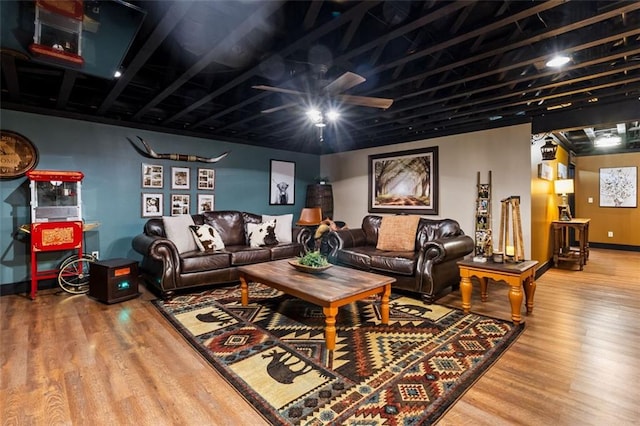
427, 270
167, 270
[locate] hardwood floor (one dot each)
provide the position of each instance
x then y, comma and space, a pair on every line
70, 360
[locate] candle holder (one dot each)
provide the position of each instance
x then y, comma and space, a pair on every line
498, 257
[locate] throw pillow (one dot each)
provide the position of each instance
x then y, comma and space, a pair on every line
398, 233
262, 234
283, 226
176, 228
207, 237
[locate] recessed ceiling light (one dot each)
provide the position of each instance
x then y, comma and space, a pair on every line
607, 139
117, 74
558, 61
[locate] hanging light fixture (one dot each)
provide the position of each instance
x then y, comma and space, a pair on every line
549, 149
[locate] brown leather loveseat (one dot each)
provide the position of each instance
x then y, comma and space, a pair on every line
427, 269
168, 270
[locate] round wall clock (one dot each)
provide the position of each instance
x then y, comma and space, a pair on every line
18, 155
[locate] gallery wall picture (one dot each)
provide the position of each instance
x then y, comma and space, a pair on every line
206, 179
152, 175
180, 177
205, 203
151, 205
282, 183
619, 187
180, 204
404, 182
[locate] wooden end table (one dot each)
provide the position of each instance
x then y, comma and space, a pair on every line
337, 286
516, 275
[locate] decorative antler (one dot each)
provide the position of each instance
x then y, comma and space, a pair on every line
181, 157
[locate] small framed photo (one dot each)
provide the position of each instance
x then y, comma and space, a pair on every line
180, 204
207, 179
152, 176
282, 185
180, 178
151, 205
205, 203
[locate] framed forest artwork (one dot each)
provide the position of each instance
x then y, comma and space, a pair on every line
404, 182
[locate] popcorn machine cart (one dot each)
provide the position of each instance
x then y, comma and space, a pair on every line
56, 222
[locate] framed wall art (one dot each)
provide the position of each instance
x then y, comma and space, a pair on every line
404, 182
207, 179
151, 205
180, 177
619, 187
18, 155
180, 204
282, 182
152, 175
205, 203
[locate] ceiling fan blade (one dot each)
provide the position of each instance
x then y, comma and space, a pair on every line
278, 108
345, 82
366, 101
278, 89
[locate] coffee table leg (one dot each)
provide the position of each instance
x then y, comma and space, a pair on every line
244, 291
384, 304
529, 291
330, 327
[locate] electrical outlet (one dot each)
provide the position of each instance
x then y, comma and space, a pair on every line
610, 234
590, 200
96, 254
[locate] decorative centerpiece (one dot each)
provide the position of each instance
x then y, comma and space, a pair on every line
312, 262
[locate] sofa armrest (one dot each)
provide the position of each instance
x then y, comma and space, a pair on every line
344, 238
158, 248
444, 249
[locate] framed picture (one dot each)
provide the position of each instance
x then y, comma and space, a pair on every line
404, 182
562, 171
282, 182
205, 203
180, 178
151, 205
152, 176
619, 187
545, 171
180, 204
206, 179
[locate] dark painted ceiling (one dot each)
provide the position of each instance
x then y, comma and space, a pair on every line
449, 67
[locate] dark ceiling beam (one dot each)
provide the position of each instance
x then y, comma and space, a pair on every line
351, 31
263, 10
303, 41
68, 80
172, 18
462, 17
312, 14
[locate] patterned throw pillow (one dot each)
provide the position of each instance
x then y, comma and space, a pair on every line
262, 234
207, 238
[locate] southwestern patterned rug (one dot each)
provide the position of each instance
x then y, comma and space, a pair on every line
272, 351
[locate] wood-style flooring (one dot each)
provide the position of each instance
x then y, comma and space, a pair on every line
71, 360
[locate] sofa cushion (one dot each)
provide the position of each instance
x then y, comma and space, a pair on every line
243, 255
177, 230
262, 234
357, 257
284, 224
397, 262
230, 225
200, 262
206, 237
398, 233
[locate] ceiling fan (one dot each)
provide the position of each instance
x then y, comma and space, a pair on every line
332, 90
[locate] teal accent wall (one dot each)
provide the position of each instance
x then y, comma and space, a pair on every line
112, 186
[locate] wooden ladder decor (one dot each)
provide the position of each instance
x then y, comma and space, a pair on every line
510, 222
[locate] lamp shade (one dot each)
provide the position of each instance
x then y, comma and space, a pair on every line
563, 186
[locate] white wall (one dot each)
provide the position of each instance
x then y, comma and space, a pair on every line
505, 152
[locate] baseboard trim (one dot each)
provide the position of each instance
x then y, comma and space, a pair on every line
623, 247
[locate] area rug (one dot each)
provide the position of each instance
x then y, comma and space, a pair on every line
272, 351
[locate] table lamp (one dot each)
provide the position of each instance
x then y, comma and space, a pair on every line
564, 187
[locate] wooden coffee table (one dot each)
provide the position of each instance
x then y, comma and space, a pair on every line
337, 286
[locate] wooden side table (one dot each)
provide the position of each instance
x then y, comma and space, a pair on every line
516, 275
562, 249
